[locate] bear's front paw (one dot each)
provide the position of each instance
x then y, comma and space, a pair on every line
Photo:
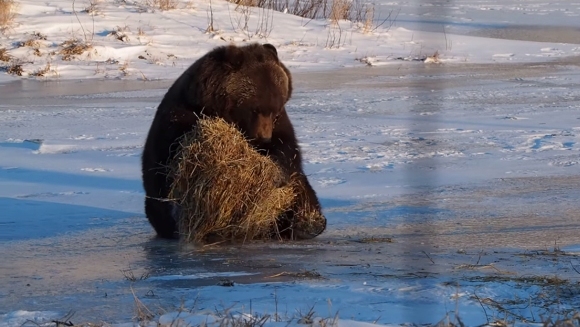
308, 225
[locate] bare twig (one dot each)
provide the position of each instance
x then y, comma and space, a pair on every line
78, 19
428, 257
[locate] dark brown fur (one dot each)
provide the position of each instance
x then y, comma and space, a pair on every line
248, 87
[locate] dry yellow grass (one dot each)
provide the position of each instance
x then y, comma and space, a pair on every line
15, 68
163, 4
245, 3
340, 10
32, 43
7, 13
368, 18
71, 48
225, 188
42, 72
4, 56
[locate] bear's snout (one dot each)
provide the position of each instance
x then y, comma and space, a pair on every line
264, 127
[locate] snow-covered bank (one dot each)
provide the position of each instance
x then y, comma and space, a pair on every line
133, 40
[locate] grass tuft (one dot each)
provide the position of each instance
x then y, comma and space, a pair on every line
163, 4
7, 13
247, 3
340, 10
120, 34
73, 47
4, 56
142, 313
42, 72
31, 43
92, 8
15, 68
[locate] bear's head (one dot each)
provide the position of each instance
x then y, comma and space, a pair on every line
247, 86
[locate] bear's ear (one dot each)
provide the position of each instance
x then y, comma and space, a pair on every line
271, 48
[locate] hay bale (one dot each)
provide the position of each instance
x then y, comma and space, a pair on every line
225, 188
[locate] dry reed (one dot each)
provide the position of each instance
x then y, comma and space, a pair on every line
340, 9
7, 13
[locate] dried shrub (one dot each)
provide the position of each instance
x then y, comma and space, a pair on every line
248, 3
262, 28
227, 190
42, 72
38, 36
336, 37
304, 8
119, 34
365, 15
359, 12
92, 8
71, 48
124, 68
32, 43
163, 4
340, 10
7, 13
4, 56
15, 68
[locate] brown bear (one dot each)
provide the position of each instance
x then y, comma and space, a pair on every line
248, 87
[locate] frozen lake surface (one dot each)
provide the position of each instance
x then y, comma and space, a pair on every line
433, 179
